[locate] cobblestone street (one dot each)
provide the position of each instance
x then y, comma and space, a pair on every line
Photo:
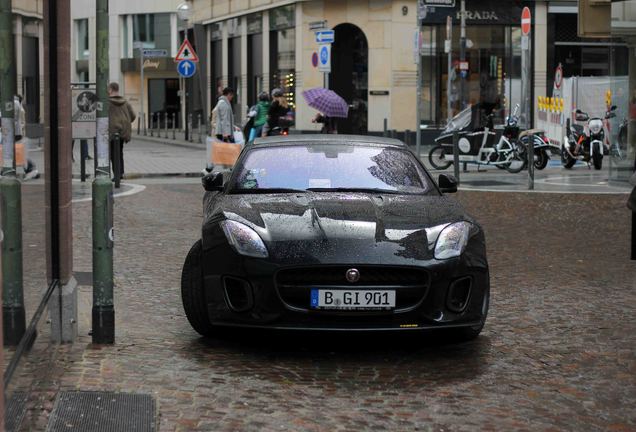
557, 353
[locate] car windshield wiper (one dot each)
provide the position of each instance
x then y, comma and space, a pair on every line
267, 190
362, 190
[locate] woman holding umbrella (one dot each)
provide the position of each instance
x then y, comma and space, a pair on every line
330, 105
329, 124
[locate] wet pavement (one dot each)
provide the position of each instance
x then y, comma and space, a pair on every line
557, 353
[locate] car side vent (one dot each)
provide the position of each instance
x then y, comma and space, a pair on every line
459, 294
238, 294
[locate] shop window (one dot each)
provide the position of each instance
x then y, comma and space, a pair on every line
283, 63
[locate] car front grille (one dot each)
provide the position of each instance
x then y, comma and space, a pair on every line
294, 285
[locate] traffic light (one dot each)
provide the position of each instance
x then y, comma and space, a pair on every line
595, 18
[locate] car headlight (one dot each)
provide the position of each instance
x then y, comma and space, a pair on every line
451, 240
244, 239
595, 126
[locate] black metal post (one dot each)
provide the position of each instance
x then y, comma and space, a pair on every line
456, 155
83, 157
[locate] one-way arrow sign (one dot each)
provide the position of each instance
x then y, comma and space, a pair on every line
186, 68
325, 36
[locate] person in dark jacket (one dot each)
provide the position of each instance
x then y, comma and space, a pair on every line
277, 112
329, 124
120, 118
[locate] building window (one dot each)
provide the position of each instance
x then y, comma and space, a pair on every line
83, 50
282, 44
151, 30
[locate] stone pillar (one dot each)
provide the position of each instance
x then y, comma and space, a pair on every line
243, 90
266, 84
540, 48
58, 170
224, 55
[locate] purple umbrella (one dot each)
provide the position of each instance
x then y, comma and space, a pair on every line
327, 102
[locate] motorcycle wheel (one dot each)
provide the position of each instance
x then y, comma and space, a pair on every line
597, 160
541, 160
436, 158
519, 161
567, 161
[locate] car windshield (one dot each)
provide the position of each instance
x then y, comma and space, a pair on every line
330, 168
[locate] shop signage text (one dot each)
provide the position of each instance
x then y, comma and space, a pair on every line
479, 15
153, 64
438, 3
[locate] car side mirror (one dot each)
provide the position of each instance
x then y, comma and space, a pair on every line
213, 182
447, 183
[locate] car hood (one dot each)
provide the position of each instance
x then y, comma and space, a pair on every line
343, 227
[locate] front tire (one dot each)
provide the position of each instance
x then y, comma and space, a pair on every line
192, 294
541, 160
597, 158
436, 158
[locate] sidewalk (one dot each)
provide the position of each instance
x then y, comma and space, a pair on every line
146, 157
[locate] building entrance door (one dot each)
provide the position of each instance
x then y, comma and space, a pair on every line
163, 97
349, 76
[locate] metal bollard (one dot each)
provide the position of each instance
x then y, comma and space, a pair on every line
138, 123
530, 155
385, 131
165, 125
407, 138
190, 127
83, 157
116, 152
456, 155
199, 126
174, 126
152, 122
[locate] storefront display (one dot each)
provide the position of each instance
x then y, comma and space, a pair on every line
492, 71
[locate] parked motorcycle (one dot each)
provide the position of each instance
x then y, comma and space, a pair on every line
587, 146
479, 145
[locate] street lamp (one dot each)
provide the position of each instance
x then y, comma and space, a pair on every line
184, 12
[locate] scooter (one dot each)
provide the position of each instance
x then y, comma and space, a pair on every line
479, 145
587, 146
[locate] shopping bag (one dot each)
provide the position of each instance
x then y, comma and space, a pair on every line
20, 154
221, 153
238, 137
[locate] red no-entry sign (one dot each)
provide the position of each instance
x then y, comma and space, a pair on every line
526, 20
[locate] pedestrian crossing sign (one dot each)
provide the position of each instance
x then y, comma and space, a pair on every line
186, 52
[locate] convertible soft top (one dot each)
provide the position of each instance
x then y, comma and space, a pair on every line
324, 139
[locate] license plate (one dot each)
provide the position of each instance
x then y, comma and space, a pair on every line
352, 299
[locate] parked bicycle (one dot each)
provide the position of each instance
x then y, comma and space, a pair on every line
480, 145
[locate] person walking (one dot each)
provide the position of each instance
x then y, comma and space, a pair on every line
329, 124
120, 118
224, 116
277, 113
261, 116
30, 171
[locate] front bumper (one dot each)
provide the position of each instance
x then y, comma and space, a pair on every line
252, 298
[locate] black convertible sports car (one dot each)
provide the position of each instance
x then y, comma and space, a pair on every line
333, 232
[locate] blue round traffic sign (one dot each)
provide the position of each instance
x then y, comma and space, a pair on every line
186, 68
324, 55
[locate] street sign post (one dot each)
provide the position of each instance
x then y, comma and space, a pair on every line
186, 52
438, 3
526, 26
324, 58
325, 36
186, 68
84, 113
154, 53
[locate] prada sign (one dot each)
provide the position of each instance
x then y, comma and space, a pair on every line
480, 12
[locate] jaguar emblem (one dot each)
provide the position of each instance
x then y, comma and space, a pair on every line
352, 275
